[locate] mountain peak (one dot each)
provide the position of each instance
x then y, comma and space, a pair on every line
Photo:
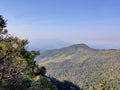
80, 46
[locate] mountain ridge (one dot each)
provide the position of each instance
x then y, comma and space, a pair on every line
68, 49
83, 65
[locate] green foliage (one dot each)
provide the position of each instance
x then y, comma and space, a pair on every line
42, 84
103, 86
2, 23
42, 70
11, 63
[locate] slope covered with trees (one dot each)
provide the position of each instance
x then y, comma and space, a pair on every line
83, 65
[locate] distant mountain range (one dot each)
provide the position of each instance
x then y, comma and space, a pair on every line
48, 44
83, 65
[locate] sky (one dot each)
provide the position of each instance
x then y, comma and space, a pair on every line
94, 22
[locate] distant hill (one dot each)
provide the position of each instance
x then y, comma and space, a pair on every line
48, 44
83, 65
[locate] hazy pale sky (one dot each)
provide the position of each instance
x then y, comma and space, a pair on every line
74, 21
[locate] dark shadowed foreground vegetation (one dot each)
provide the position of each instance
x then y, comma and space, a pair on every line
19, 71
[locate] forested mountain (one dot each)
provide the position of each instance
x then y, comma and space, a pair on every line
83, 65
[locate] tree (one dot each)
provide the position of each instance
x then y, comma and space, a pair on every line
3, 22
14, 57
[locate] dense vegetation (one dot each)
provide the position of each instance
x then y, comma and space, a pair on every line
83, 65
